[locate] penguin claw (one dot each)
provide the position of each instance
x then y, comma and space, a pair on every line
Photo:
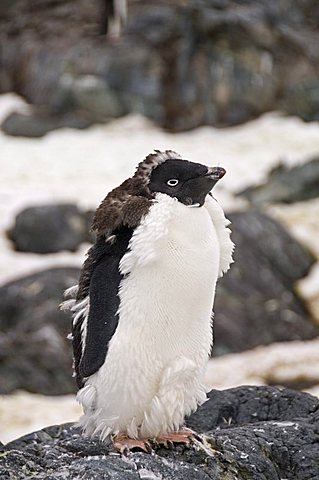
125, 445
183, 436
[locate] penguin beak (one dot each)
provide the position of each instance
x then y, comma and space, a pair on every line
198, 187
215, 173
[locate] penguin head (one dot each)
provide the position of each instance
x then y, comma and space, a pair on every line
186, 181
163, 172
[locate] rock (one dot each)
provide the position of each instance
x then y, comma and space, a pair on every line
302, 99
258, 433
33, 327
38, 124
182, 64
49, 229
246, 405
256, 302
94, 95
287, 185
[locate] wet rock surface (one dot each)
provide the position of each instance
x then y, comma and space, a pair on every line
259, 433
256, 302
286, 185
180, 64
49, 229
32, 326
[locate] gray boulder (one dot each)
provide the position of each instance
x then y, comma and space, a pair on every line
49, 229
38, 123
286, 185
257, 433
256, 302
35, 354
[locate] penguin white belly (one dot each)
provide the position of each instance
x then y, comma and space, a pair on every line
152, 374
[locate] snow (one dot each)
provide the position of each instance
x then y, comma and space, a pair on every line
275, 363
24, 412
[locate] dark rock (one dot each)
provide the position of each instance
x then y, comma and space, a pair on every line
287, 185
33, 327
49, 229
256, 303
258, 433
303, 100
182, 64
38, 124
94, 95
244, 405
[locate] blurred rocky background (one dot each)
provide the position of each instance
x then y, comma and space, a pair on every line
180, 63
223, 82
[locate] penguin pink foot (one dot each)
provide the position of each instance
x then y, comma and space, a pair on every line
182, 436
123, 444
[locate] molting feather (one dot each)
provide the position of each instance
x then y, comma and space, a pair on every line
128, 203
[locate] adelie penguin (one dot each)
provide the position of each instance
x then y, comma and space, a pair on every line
142, 312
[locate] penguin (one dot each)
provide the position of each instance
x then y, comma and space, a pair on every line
142, 311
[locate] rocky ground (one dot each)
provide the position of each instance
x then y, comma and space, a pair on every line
258, 433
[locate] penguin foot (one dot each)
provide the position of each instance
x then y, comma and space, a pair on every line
183, 436
124, 444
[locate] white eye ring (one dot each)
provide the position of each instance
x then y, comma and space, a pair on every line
172, 182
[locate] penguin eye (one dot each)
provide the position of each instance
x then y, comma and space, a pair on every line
172, 182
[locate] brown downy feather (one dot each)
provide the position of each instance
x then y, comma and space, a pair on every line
127, 204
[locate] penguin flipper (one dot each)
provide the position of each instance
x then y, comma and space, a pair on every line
102, 319
96, 326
